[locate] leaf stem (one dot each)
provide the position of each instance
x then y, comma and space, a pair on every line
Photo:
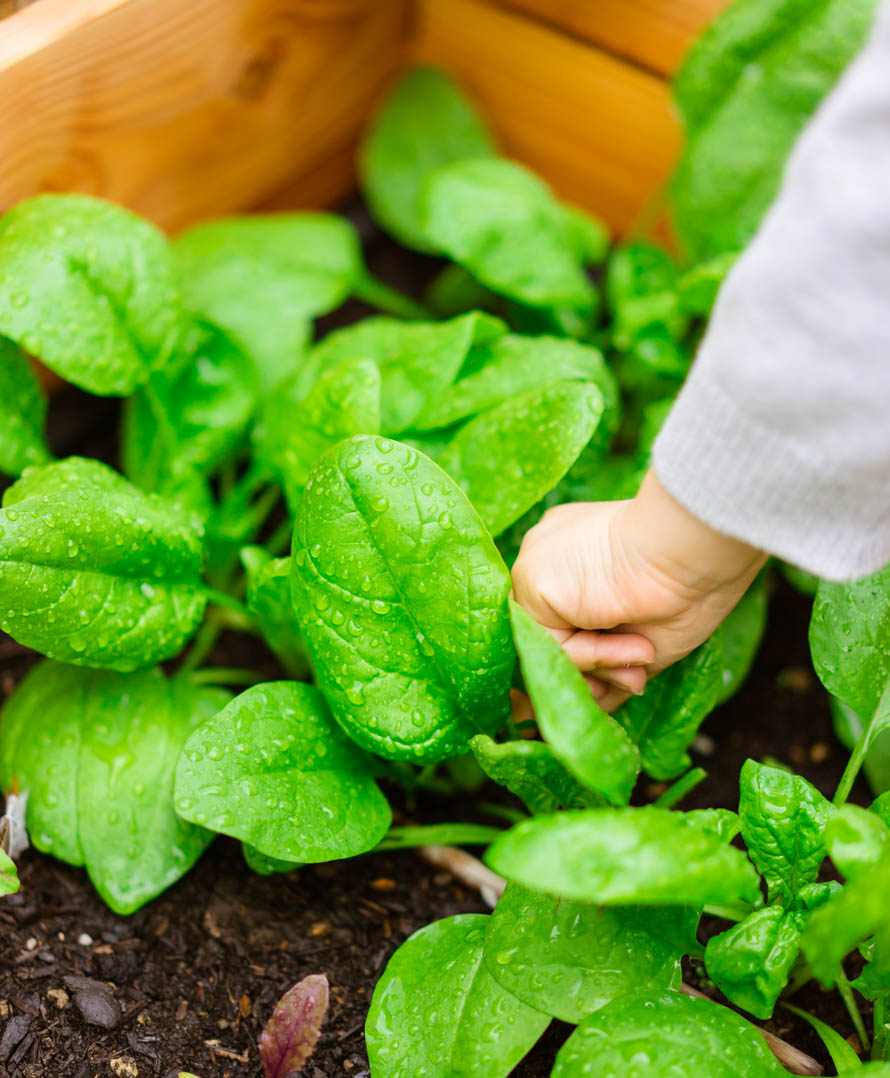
880, 717
229, 602
203, 644
439, 834
846, 994
377, 294
225, 675
678, 790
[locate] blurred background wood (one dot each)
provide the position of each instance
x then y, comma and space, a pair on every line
10, 7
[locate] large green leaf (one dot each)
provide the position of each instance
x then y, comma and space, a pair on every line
568, 959
90, 289
665, 719
418, 361
192, 418
502, 470
511, 365
583, 737
762, 67
22, 413
273, 769
96, 751
639, 856
653, 1035
9, 877
529, 770
264, 277
425, 123
402, 601
751, 961
783, 818
503, 224
94, 572
855, 839
438, 1012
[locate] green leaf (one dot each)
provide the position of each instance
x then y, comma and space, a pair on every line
850, 644
529, 770
846, 919
9, 877
848, 728
189, 420
425, 123
264, 277
266, 866
568, 959
440, 834
641, 290
276, 747
783, 822
22, 413
269, 602
437, 1011
665, 719
95, 751
751, 961
763, 66
842, 1055
454, 291
503, 224
583, 737
94, 572
503, 471
697, 288
629, 856
740, 636
402, 601
90, 289
652, 1035
512, 365
418, 361
855, 839
344, 401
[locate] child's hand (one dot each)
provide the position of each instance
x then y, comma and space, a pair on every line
658, 578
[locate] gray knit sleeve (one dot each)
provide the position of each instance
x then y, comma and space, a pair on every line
781, 435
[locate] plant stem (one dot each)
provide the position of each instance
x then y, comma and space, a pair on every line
681, 787
229, 602
880, 717
203, 643
846, 994
225, 675
377, 294
878, 1044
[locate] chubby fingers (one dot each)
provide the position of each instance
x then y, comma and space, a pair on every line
592, 651
608, 697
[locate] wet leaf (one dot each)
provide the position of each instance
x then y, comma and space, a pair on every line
529, 770
22, 413
291, 1034
269, 602
9, 879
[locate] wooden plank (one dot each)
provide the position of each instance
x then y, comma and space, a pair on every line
184, 110
10, 7
652, 33
600, 130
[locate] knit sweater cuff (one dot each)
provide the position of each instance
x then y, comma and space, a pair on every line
757, 484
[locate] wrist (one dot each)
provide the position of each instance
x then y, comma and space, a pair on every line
672, 541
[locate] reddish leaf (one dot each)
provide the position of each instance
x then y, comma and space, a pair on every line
292, 1032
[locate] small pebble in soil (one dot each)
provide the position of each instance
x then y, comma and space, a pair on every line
95, 1001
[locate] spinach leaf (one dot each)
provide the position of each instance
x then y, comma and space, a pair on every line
652, 1034
90, 289
511, 365
529, 770
751, 961
783, 819
638, 856
437, 982
740, 636
190, 419
402, 601
764, 65
425, 123
665, 719
697, 288
568, 959
855, 839
266, 866
264, 277
96, 751
344, 401
504, 472
269, 602
848, 728
22, 413
417, 360
503, 224
454, 291
641, 291
589, 742
276, 747
9, 877
94, 572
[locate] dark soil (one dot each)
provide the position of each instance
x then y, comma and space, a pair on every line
197, 973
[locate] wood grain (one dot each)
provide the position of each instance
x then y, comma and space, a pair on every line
654, 34
184, 109
10, 7
600, 130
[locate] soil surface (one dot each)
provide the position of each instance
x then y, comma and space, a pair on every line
188, 983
